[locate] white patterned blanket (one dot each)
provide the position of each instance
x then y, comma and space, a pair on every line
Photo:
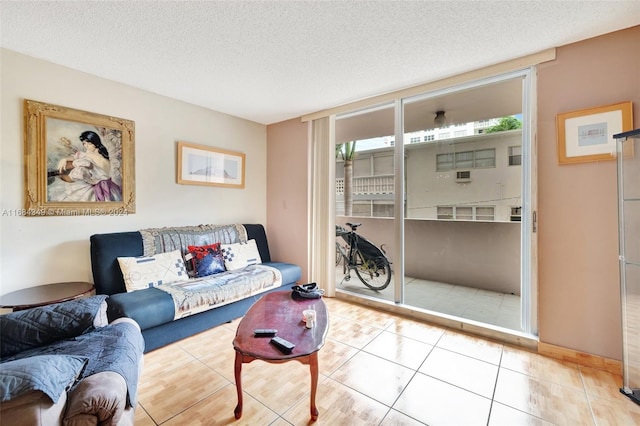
201, 294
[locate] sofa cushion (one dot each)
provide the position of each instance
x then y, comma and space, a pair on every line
239, 255
149, 307
40, 326
50, 374
290, 273
150, 271
206, 260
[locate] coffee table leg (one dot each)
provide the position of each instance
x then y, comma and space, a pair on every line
238, 371
313, 366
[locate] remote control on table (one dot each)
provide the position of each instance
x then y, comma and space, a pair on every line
284, 345
265, 332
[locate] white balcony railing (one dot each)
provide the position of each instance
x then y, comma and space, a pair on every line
368, 185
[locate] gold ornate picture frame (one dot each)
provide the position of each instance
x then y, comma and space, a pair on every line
587, 135
77, 163
205, 165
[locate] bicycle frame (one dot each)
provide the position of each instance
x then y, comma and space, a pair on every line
349, 258
373, 270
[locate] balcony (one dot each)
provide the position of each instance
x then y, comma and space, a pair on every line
369, 185
462, 268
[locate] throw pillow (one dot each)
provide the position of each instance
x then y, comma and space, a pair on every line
205, 260
143, 272
239, 255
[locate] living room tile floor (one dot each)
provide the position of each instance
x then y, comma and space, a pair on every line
379, 369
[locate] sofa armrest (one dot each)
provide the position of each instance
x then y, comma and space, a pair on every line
33, 408
126, 320
99, 399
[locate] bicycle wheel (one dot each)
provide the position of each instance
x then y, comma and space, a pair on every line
376, 277
338, 254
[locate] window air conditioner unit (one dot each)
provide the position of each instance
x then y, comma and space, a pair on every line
463, 176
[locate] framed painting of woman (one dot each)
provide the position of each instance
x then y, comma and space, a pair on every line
78, 163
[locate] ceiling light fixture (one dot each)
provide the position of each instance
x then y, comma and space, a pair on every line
440, 119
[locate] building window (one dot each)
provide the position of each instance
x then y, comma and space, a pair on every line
415, 139
444, 162
445, 213
464, 160
464, 213
515, 155
516, 214
485, 158
485, 213
460, 133
428, 138
482, 158
445, 135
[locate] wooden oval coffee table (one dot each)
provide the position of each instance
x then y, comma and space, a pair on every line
279, 311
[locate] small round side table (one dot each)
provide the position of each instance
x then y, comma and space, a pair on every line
45, 294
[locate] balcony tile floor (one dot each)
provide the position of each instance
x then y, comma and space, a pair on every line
489, 307
378, 368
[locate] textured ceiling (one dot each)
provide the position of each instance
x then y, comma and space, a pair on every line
269, 61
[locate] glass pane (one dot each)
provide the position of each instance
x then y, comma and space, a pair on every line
464, 160
454, 241
631, 164
365, 192
484, 213
445, 212
485, 158
632, 230
632, 329
515, 155
464, 213
444, 162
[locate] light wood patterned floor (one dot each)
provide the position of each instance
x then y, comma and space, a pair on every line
379, 369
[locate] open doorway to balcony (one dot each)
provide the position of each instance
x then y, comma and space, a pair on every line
450, 204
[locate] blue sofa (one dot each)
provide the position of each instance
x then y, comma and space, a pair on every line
153, 309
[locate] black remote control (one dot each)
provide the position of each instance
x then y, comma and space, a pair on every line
284, 345
265, 332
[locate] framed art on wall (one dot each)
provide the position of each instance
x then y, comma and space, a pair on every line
77, 163
205, 165
587, 135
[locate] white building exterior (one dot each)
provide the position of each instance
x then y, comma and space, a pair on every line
452, 173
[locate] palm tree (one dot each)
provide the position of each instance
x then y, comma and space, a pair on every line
347, 151
505, 123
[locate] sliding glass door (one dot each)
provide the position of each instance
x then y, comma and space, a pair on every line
464, 194
442, 181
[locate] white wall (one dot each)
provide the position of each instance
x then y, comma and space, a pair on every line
38, 250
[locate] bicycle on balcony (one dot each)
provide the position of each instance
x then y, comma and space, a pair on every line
369, 261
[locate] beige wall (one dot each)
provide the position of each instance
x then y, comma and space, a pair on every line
579, 300
579, 295
287, 170
37, 250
